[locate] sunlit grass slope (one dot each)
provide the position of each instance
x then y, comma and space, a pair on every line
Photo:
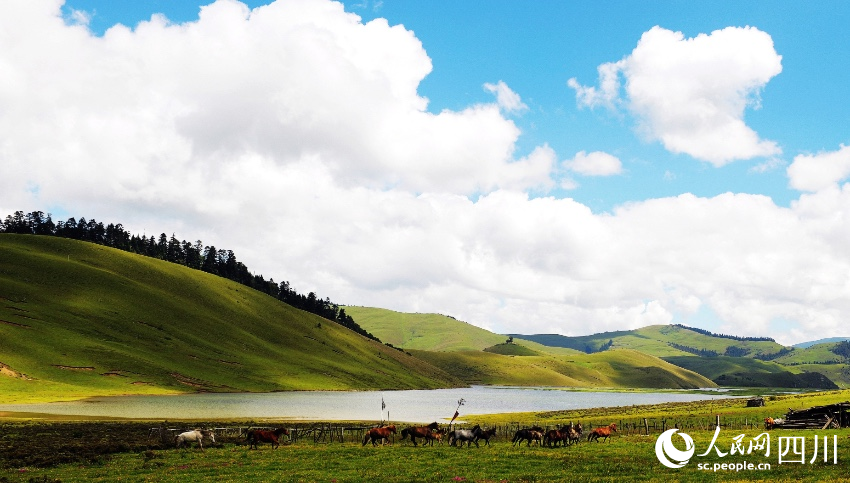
478, 356
78, 319
616, 368
660, 341
430, 332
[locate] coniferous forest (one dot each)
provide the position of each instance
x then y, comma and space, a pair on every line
195, 255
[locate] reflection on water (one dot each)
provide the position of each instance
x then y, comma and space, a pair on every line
414, 406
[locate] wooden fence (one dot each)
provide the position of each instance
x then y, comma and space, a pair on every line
326, 433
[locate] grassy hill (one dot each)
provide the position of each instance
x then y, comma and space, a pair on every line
78, 319
431, 332
661, 341
725, 360
478, 356
615, 368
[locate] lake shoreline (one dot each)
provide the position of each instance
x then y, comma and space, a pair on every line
312, 406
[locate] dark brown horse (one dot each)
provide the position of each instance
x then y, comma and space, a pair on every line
602, 432
534, 433
256, 436
487, 434
553, 437
379, 434
423, 432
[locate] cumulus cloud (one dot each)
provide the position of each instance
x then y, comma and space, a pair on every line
596, 163
814, 172
287, 80
505, 97
691, 94
294, 134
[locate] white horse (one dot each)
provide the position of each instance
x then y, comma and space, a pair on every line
195, 436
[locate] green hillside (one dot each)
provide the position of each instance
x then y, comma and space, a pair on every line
740, 371
78, 319
728, 361
615, 368
512, 350
431, 332
662, 341
478, 356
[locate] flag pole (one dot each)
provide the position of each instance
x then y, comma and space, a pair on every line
384, 406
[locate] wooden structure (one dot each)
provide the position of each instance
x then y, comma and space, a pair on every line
818, 417
755, 402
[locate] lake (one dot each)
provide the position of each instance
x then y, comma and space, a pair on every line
408, 406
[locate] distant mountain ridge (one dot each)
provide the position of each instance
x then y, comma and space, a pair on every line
806, 345
726, 360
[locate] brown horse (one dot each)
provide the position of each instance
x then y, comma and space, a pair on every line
423, 432
555, 436
436, 435
379, 434
602, 432
487, 434
256, 436
528, 434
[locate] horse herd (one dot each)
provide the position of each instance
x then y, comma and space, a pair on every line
567, 435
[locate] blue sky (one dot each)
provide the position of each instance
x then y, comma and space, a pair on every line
534, 49
468, 158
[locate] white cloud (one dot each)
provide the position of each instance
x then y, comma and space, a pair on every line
596, 163
819, 171
505, 97
691, 94
294, 135
284, 81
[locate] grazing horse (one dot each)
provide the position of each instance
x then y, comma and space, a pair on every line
379, 434
468, 435
487, 434
602, 432
419, 432
574, 434
195, 436
555, 436
528, 434
256, 436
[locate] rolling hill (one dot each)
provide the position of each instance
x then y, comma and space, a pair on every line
477, 356
79, 319
609, 369
430, 332
728, 361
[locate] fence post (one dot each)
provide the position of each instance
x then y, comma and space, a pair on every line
646, 426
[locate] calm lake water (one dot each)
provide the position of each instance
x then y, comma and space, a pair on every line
409, 406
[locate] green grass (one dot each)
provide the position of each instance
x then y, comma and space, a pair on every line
627, 456
677, 344
623, 458
616, 368
511, 350
477, 356
430, 332
80, 319
658, 340
816, 354
742, 371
